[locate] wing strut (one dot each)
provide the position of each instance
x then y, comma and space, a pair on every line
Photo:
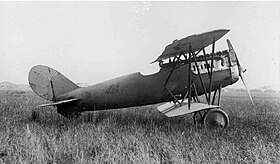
207, 65
165, 84
190, 89
198, 70
191, 57
211, 73
219, 96
188, 93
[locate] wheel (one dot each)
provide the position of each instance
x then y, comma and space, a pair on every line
216, 118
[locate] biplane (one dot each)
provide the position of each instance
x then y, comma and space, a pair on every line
186, 72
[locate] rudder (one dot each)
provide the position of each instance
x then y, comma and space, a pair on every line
48, 83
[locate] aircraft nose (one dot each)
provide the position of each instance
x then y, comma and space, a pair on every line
240, 69
234, 74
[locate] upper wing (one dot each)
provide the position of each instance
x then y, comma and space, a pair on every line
197, 41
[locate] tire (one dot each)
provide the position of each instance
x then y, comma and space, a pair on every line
216, 119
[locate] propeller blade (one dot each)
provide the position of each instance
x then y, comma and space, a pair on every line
246, 87
231, 50
241, 70
229, 45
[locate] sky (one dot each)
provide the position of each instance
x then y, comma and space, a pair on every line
91, 42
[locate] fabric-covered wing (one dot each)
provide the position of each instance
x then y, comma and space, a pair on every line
197, 41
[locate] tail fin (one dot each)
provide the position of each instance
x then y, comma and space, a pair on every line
49, 83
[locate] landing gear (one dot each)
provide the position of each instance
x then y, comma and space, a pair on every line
198, 117
214, 118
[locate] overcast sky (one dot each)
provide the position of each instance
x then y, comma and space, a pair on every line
95, 41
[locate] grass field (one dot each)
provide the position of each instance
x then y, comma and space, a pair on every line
138, 135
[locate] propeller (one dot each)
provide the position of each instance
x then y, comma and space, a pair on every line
241, 70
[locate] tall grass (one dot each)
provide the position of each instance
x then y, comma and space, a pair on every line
137, 135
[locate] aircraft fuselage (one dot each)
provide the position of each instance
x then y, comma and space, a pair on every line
137, 90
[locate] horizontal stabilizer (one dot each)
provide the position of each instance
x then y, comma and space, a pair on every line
58, 103
170, 109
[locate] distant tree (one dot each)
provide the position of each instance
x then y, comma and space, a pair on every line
231, 89
270, 90
255, 90
240, 90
